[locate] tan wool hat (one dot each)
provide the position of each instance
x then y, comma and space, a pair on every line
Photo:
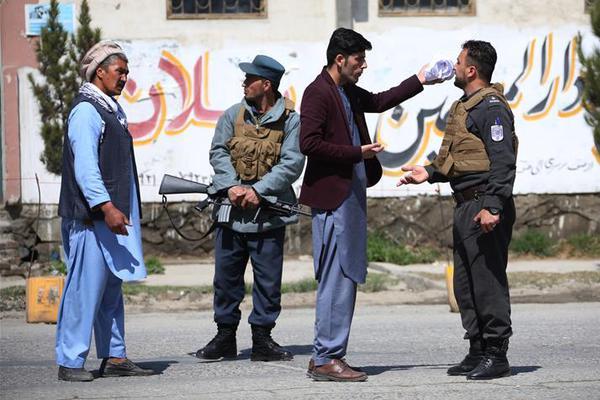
95, 55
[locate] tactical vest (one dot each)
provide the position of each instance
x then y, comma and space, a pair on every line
463, 152
255, 148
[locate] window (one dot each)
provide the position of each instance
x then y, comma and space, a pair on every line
204, 9
412, 8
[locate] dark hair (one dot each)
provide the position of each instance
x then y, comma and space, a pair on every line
482, 56
111, 59
346, 42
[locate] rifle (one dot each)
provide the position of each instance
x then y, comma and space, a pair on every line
173, 185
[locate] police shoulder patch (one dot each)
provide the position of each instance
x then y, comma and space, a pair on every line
497, 131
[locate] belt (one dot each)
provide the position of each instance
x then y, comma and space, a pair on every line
470, 193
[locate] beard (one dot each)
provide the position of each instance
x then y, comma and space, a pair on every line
459, 83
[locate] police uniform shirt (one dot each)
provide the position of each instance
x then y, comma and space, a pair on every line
492, 122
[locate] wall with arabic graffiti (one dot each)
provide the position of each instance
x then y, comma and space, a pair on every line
177, 92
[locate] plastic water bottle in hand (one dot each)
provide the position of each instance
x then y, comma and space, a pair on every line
441, 70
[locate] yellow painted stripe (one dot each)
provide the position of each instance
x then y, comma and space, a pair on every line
397, 124
162, 118
529, 67
596, 154
132, 98
546, 110
549, 52
184, 72
428, 127
515, 104
205, 79
572, 112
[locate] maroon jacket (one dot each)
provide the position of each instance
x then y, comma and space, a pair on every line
325, 137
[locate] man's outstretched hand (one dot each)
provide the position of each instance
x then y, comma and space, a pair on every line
369, 150
416, 174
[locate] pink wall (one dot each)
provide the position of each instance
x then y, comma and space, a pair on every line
17, 52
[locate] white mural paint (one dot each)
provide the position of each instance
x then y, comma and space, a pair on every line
175, 95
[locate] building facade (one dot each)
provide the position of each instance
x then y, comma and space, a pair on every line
184, 56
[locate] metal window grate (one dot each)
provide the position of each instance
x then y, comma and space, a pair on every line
395, 8
215, 9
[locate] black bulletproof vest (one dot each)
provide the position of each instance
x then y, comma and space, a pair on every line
115, 159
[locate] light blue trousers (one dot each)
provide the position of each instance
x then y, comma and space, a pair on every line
336, 295
92, 300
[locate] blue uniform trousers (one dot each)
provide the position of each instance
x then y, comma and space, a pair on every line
92, 299
232, 250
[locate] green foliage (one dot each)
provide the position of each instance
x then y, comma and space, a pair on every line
58, 267
591, 76
12, 298
584, 245
379, 248
377, 282
303, 286
12, 291
58, 61
154, 266
133, 289
535, 243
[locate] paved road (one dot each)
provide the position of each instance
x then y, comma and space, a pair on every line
555, 354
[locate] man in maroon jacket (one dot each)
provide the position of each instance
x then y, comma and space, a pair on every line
341, 165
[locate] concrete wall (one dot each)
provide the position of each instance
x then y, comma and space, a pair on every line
287, 20
509, 13
409, 220
17, 51
310, 20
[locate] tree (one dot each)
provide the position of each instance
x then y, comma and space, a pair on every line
591, 77
58, 56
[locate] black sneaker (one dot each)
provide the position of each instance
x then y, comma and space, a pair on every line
110, 368
74, 374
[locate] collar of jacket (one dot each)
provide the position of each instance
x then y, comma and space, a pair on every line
334, 88
272, 115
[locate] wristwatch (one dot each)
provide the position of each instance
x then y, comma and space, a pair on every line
493, 210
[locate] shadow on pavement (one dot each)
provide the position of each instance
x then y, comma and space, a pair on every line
379, 369
524, 369
296, 349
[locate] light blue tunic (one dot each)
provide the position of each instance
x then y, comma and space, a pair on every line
123, 254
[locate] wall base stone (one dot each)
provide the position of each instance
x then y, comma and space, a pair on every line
425, 220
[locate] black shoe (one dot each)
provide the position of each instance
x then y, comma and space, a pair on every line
472, 359
74, 374
109, 368
467, 365
264, 348
223, 345
494, 364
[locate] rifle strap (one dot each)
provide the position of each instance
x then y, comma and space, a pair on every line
210, 230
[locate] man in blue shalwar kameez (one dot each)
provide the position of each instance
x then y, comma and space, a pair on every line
100, 209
